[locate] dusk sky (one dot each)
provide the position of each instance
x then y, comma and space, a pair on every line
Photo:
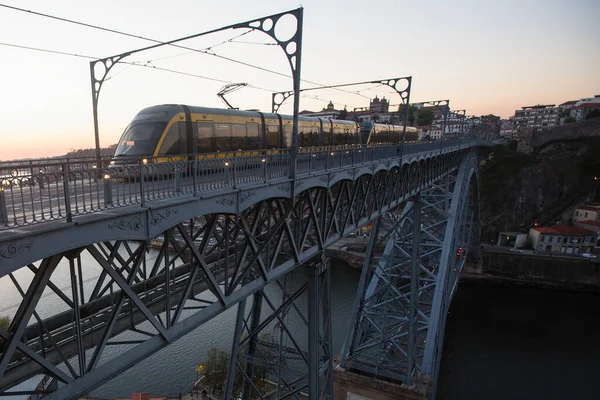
485, 56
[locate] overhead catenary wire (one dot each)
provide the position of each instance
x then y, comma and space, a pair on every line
147, 65
130, 64
118, 32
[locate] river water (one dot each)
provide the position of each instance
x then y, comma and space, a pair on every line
501, 342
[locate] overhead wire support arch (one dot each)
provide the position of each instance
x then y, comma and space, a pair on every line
290, 44
401, 86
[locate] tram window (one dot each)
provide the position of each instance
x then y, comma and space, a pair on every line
238, 136
339, 137
314, 134
174, 142
305, 136
223, 137
272, 136
253, 140
205, 140
326, 135
287, 136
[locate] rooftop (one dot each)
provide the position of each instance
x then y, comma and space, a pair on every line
590, 223
560, 229
589, 207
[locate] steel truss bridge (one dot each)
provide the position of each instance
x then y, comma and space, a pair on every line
223, 230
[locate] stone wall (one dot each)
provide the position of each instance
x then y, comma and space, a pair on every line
530, 140
566, 272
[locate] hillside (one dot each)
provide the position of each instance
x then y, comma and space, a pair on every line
517, 187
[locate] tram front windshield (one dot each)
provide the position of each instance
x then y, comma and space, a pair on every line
140, 139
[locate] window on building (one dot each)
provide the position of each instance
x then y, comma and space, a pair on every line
551, 239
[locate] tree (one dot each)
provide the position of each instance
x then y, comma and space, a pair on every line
426, 117
343, 114
569, 120
5, 322
411, 114
215, 366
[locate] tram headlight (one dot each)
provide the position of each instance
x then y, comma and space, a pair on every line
145, 161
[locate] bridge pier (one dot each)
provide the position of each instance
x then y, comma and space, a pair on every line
348, 385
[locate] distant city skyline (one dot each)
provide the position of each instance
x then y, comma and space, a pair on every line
487, 58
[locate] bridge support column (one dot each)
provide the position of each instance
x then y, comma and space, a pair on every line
320, 367
286, 353
350, 385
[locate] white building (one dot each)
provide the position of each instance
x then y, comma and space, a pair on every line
586, 212
562, 239
537, 117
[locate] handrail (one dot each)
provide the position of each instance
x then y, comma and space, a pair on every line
61, 190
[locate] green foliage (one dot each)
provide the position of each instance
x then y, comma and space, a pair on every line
343, 114
426, 117
411, 113
570, 120
215, 366
5, 322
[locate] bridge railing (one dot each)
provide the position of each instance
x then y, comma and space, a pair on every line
60, 190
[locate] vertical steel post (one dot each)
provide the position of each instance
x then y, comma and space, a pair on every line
66, 193
108, 196
177, 176
3, 210
234, 169
254, 323
76, 302
235, 348
406, 110
414, 287
326, 297
314, 299
195, 176
296, 67
447, 108
142, 179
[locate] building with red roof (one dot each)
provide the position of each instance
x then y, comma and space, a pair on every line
562, 238
593, 226
586, 212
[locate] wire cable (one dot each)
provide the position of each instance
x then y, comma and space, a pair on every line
47, 51
174, 45
130, 64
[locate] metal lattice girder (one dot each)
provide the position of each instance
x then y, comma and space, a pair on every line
203, 264
285, 339
404, 294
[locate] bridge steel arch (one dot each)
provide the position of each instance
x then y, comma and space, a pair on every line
404, 294
212, 253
